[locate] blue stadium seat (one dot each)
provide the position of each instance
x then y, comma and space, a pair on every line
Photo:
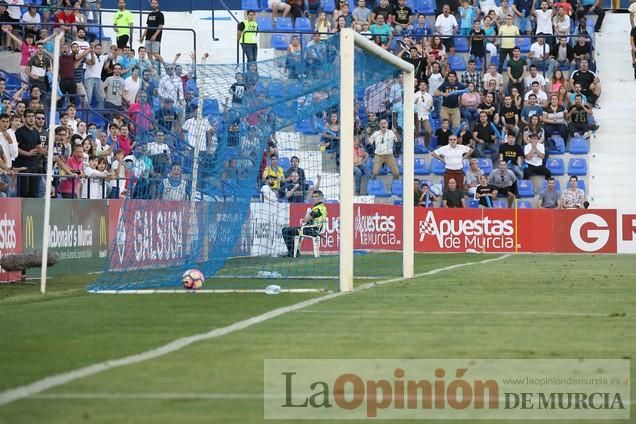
264, 23
279, 42
526, 189
485, 164
303, 24
556, 166
284, 23
557, 185
250, 5
461, 45
420, 147
577, 167
397, 188
397, 202
210, 107
524, 44
581, 184
559, 145
472, 203
284, 163
524, 204
376, 188
579, 146
265, 6
500, 204
420, 167
276, 88
306, 127
437, 167
13, 82
328, 6
426, 7
433, 140
494, 60
457, 63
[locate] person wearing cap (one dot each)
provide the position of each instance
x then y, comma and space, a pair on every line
534, 153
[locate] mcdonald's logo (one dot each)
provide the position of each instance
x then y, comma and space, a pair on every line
29, 233
103, 231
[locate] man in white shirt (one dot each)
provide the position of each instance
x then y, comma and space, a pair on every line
384, 139
269, 195
532, 76
132, 84
542, 97
453, 155
200, 132
423, 108
493, 75
540, 55
534, 153
544, 19
446, 26
8, 142
171, 86
93, 76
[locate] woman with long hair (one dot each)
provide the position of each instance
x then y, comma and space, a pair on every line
556, 82
534, 127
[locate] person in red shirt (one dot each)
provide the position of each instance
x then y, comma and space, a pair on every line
64, 19
124, 141
70, 187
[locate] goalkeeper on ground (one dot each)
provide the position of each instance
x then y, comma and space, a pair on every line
311, 224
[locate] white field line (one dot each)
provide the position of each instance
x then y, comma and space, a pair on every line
535, 313
39, 386
149, 396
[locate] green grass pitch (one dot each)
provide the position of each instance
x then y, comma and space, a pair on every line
525, 306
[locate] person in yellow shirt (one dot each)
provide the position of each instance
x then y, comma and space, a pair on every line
274, 171
508, 41
123, 23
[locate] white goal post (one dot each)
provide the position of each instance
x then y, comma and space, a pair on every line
349, 40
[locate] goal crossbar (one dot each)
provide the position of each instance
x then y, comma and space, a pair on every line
349, 40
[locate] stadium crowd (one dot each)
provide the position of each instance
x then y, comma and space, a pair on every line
502, 105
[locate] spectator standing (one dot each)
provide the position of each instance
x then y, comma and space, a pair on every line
451, 90
512, 154
70, 186
37, 67
247, 37
8, 142
29, 151
171, 86
360, 157
123, 22
446, 26
543, 17
31, 20
155, 22
174, 186
114, 90
517, 69
508, 32
423, 108
453, 157
92, 77
383, 140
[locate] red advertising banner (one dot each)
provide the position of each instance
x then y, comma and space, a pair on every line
10, 234
376, 227
585, 231
148, 233
482, 230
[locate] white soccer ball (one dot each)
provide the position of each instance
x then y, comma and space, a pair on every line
192, 279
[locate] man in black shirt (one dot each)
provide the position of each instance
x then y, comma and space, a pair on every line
451, 90
485, 138
577, 115
477, 44
512, 154
590, 84
29, 151
443, 133
152, 34
453, 197
412, 56
403, 16
509, 115
488, 106
384, 9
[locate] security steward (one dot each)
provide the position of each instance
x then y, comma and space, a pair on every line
311, 222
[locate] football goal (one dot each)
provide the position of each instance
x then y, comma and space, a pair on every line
291, 171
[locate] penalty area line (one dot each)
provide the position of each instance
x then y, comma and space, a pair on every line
57, 380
